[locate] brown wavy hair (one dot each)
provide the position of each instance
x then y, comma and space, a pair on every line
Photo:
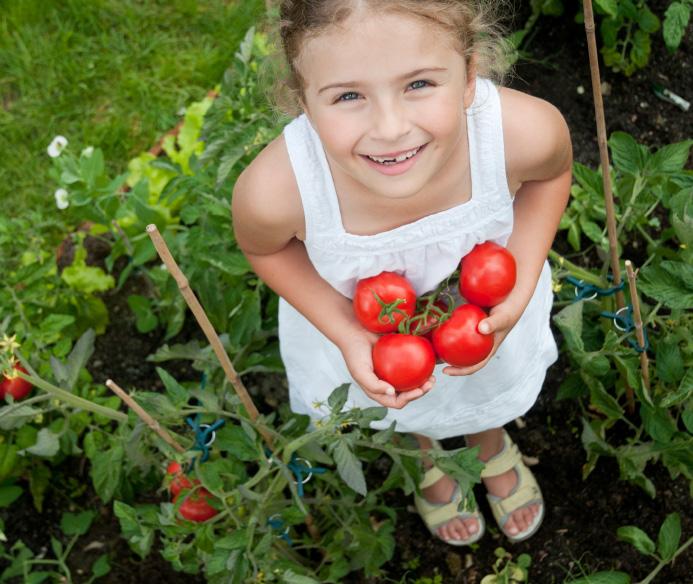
472, 25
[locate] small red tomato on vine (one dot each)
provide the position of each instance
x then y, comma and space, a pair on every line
14, 385
178, 479
458, 341
487, 274
196, 506
381, 302
404, 361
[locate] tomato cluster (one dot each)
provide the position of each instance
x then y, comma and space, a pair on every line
405, 354
195, 507
12, 384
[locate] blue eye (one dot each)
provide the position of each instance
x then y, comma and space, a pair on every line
348, 96
419, 84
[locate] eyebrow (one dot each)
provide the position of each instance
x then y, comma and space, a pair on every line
345, 84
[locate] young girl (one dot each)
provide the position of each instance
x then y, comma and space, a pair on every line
404, 157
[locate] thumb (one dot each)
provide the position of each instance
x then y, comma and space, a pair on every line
493, 323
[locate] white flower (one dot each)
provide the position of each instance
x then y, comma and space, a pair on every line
62, 199
88, 151
56, 147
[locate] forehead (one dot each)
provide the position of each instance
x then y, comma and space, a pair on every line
373, 45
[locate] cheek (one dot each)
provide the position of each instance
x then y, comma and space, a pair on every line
337, 133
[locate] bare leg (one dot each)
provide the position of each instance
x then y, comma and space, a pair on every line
490, 442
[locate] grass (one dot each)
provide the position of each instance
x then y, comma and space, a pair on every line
109, 73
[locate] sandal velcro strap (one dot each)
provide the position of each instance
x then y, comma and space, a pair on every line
431, 476
435, 515
507, 458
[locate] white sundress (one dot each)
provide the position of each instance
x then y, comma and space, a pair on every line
426, 251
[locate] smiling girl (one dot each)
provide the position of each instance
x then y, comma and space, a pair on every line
403, 157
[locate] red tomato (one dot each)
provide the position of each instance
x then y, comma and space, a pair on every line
458, 342
404, 361
179, 480
14, 385
196, 506
488, 274
389, 288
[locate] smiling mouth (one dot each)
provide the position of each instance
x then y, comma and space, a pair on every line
390, 160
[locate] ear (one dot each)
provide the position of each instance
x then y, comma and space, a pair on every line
470, 88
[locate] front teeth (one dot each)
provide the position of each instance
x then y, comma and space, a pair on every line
400, 158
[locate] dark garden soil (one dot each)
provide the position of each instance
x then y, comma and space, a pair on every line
579, 531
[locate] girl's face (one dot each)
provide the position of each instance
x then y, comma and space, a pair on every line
386, 94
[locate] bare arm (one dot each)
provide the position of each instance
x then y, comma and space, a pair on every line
539, 158
268, 218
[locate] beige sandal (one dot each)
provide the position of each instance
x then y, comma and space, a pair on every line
526, 490
436, 514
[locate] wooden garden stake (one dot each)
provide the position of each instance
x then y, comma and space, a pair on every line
146, 418
603, 150
206, 325
637, 319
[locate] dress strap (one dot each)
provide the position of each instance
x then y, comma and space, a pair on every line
313, 177
486, 145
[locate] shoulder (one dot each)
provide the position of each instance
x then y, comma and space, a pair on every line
266, 204
536, 137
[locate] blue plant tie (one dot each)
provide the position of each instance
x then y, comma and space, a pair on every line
203, 434
587, 291
300, 470
277, 523
625, 323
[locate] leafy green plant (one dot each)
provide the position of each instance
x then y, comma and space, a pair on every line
260, 532
506, 570
23, 562
664, 552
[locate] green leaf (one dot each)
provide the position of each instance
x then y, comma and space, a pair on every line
675, 22
670, 158
627, 154
87, 279
79, 356
245, 319
610, 7
140, 537
290, 577
637, 538
146, 320
39, 479
9, 494
51, 326
647, 20
47, 444
642, 47
682, 394
669, 282
658, 423
569, 321
669, 361
603, 400
231, 263
76, 523
669, 536
338, 397
349, 467
101, 566
106, 470
234, 440
608, 577
178, 394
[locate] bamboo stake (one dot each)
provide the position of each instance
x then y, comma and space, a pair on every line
603, 150
206, 325
146, 418
637, 319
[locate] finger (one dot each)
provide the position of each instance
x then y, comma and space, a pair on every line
371, 384
495, 322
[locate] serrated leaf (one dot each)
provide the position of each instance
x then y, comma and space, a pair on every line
349, 467
338, 397
669, 282
675, 22
47, 444
682, 394
76, 523
569, 321
627, 154
637, 538
607, 577
670, 158
604, 401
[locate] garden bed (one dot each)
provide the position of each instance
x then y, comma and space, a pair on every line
579, 533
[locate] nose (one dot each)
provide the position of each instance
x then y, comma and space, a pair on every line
390, 122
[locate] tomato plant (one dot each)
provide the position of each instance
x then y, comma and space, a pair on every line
178, 479
404, 361
487, 275
196, 506
458, 341
14, 385
382, 301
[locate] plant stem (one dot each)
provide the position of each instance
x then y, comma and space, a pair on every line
73, 400
575, 270
651, 576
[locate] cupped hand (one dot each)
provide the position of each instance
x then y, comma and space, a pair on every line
357, 350
502, 318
